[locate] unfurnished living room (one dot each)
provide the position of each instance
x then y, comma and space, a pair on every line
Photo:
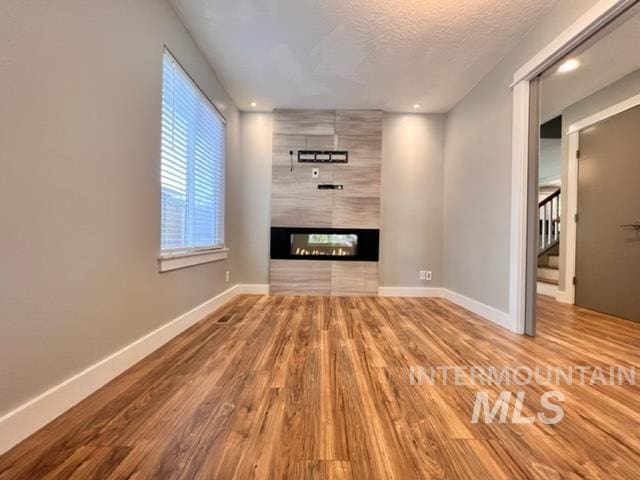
319, 239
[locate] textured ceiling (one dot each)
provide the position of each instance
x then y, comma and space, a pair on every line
382, 54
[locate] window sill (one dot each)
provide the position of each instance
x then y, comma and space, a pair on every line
167, 263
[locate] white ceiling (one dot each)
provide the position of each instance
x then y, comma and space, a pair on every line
607, 58
371, 54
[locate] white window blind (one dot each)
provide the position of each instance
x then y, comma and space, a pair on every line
192, 169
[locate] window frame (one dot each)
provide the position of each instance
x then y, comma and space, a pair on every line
179, 257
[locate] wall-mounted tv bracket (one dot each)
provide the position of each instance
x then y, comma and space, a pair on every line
322, 156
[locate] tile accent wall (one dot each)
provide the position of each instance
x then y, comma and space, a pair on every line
297, 202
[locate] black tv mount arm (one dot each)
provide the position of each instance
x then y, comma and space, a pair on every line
323, 156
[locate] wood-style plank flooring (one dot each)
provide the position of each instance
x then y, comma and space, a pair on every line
318, 387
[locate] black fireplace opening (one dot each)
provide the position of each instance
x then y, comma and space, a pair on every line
309, 243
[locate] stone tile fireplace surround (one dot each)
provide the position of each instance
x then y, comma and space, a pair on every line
301, 199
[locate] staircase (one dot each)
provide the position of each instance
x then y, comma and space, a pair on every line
548, 271
549, 244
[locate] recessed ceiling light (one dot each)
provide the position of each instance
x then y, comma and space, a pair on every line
254, 104
568, 65
416, 105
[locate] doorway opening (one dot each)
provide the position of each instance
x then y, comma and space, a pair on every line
583, 245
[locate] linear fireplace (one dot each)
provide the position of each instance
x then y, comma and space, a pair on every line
345, 244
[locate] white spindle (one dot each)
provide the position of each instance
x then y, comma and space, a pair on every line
542, 227
549, 213
552, 221
550, 228
556, 217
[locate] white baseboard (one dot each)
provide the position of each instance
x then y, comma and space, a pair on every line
254, 289
29, 417
565, 297
547, 289
410, 291
485, 311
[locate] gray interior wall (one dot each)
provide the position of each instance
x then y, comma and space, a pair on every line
617, 92
412, 199
550, 161
478, 171
253, 197
79, 189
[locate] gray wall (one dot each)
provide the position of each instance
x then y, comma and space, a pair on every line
617, 92
80, 93
550, 161
254, 197
478, 171
412, 199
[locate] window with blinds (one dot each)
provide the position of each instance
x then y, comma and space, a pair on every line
192, 166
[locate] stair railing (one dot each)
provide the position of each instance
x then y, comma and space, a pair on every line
549, 221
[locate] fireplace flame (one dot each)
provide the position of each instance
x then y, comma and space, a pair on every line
340, 252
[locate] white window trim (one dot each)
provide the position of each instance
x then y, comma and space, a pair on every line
183, 259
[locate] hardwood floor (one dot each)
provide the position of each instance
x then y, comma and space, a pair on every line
318, 387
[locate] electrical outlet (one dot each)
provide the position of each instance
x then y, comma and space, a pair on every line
315, 172
227, 275
426, 275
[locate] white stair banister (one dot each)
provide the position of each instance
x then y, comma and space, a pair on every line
549, 209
